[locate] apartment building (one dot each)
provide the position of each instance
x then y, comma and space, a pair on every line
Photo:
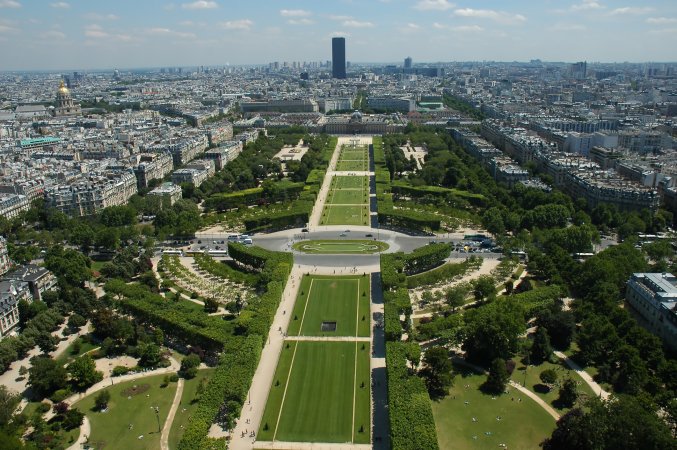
654, 297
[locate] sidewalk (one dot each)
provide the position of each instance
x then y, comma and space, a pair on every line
596, 388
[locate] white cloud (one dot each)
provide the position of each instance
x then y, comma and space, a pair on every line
357, 24
301, 21
200, 4
295, 13
53, 34
631, 10
7, 29
96, 17
60, 5
9, 4
664, 31
568, 27
242, 24
497, 16
468, 28
334, 34
413, 26
159, 31
661, 20
186, 23
95, 31
587, 5
434, 5
459, 28
341, 18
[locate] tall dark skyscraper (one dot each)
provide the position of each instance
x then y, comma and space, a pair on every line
338, 57
407, 62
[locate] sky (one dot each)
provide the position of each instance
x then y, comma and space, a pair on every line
104, 34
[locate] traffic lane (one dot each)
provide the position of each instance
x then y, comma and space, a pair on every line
337, 261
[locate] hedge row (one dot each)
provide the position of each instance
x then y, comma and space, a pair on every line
227, 390
223, 270
179, 319
412, 426
283, 190
402, 188
442, 273
299, 212
225, 393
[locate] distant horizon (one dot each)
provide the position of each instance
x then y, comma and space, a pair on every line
356, 63
52, 35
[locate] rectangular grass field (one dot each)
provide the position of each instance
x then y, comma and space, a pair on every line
348, 197
342, 300
320, 393
348, 165
351, 182
345, 215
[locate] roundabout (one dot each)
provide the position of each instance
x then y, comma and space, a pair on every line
340, 247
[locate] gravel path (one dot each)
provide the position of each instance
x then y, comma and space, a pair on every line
164, 439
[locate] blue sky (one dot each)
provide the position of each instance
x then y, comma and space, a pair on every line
87, 34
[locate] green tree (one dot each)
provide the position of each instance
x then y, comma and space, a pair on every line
149, 355
541, 348
548, 377
498, 377
46, 376
8, 403
484, 288
189, 366
568, 393
492, 331
101, 400
83, 372
437, 372
46, 342
454, 297
492, 219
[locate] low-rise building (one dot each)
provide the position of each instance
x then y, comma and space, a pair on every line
152, 166
11, 205
654, 297
169, 193
89, 195
11, 293
39, 279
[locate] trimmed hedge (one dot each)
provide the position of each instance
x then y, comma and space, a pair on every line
284, 190
412, 425
228, 386
401, 188
441, 273
179, 319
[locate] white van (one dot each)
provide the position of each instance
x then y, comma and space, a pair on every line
247, 241
233, 237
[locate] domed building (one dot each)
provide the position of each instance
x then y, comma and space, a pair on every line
64, 103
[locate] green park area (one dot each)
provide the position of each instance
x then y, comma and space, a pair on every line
470, 419
340, 247
332, 306
320, 393
130, 421
347, 202
347, 165
189, 401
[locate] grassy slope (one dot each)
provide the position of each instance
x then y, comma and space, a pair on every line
112, 427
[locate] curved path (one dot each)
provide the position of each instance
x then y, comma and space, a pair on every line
549, 409
596, 388
85, 431
164, 439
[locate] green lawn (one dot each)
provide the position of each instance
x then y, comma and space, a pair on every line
534, 383
352, 165
348, 197
110, 429
340, 247
345, 215
344, 300
522, 425
320, 393
69, 355
187, 406
354, 182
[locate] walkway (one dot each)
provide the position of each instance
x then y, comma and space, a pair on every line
549, 409
316, 214
309, 446
596, 388
328, 338
164, 439
85, 432
252, 410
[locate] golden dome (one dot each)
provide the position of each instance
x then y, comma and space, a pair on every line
63, 89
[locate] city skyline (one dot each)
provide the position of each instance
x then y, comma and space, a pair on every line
58, 35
